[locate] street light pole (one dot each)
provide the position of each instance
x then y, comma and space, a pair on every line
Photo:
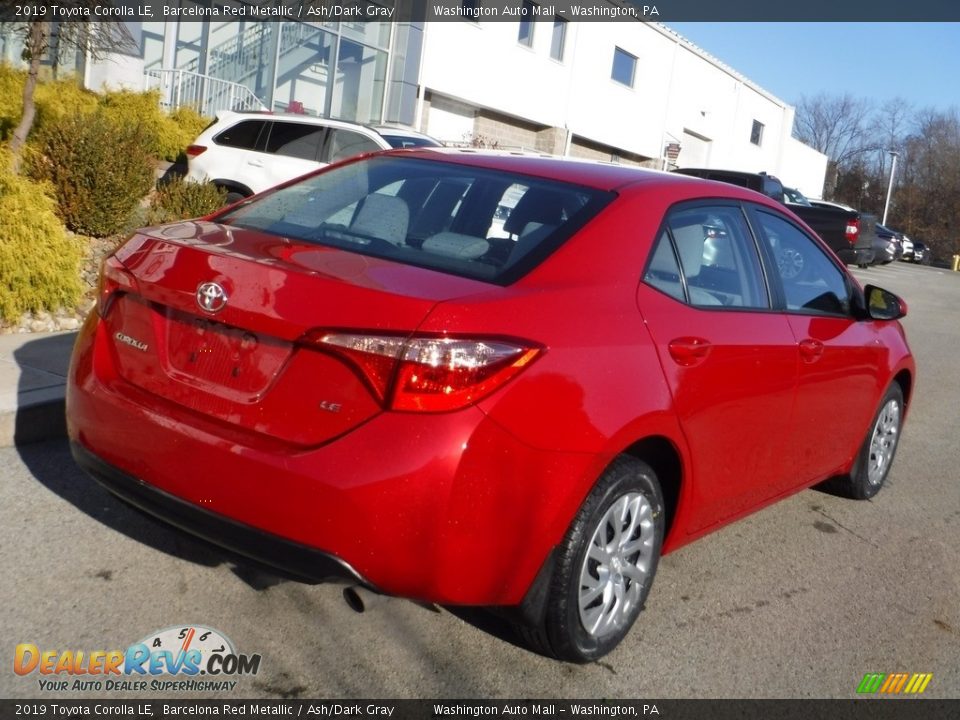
893, 168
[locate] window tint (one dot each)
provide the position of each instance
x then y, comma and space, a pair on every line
346, 143
479, 223
297, 140
710, 251
811, 281
663, 271
243, 135
624, 67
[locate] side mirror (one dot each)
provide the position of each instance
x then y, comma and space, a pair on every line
883, 304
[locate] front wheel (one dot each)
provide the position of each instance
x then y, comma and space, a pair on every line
872, 465
605, 566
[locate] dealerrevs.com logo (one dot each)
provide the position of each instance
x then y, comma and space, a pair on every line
180, 658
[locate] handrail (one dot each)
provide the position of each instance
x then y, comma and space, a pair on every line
207, 95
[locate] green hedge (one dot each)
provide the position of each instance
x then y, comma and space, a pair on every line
180, 200
167, 135
39, 263
100, 167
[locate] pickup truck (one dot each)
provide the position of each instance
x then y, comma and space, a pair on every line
848, 233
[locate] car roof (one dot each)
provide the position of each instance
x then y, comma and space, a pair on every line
226, 115
589, 173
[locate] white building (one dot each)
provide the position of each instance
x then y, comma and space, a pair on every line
624, 91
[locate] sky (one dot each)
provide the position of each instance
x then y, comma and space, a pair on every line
919, 62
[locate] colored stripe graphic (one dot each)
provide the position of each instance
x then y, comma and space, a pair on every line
918, 683
871, 683
894, 683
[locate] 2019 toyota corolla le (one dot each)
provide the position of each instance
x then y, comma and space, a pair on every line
482, 379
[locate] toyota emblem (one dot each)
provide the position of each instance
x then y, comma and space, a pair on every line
211, 297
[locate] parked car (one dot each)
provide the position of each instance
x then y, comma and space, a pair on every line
830, 204
792, 196
246, 153
920, 253
906, 247
886, 245
348, 377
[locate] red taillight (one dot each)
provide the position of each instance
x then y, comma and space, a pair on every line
429, 374
853, 230
114, 278
194, 150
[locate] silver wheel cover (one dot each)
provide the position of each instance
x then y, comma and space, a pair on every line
883, 442
616, 565
790, 263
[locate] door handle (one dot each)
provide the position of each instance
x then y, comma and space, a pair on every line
811, 350
687, 351
255, 163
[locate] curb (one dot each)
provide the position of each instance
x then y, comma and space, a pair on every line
33, 380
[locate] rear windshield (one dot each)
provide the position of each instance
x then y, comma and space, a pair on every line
406, 141
478, 223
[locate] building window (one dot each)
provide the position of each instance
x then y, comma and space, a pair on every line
624, 67
756, 132
525, 36
471, 10
559, 39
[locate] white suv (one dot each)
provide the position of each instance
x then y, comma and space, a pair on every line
247, 153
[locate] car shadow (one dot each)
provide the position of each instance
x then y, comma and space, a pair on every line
40, 440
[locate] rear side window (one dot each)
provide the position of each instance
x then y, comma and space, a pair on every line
706, 256
297, 140
245, 135
478, 223
346, 143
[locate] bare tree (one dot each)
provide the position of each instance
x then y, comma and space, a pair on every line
837, 126
93, 39
889, 129
927, 200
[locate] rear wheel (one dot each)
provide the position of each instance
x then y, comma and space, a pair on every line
873, 462
605, 566
232, 197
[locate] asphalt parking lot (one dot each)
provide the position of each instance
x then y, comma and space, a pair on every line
799, 600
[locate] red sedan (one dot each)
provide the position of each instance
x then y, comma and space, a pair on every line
485, 379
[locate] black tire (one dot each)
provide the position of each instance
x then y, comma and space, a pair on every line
627, 484
232, 197
872, 464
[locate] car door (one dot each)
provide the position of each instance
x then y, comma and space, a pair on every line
239, 150
292, 149
837, 388
730, 359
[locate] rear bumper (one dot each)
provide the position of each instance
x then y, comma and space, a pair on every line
293, 560
448, 508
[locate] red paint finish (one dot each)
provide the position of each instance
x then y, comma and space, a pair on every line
250, 412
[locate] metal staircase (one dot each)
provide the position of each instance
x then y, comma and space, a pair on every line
233, 67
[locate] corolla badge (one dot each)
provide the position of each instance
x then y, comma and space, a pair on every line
211, 297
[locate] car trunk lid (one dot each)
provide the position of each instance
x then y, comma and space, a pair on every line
249, 363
